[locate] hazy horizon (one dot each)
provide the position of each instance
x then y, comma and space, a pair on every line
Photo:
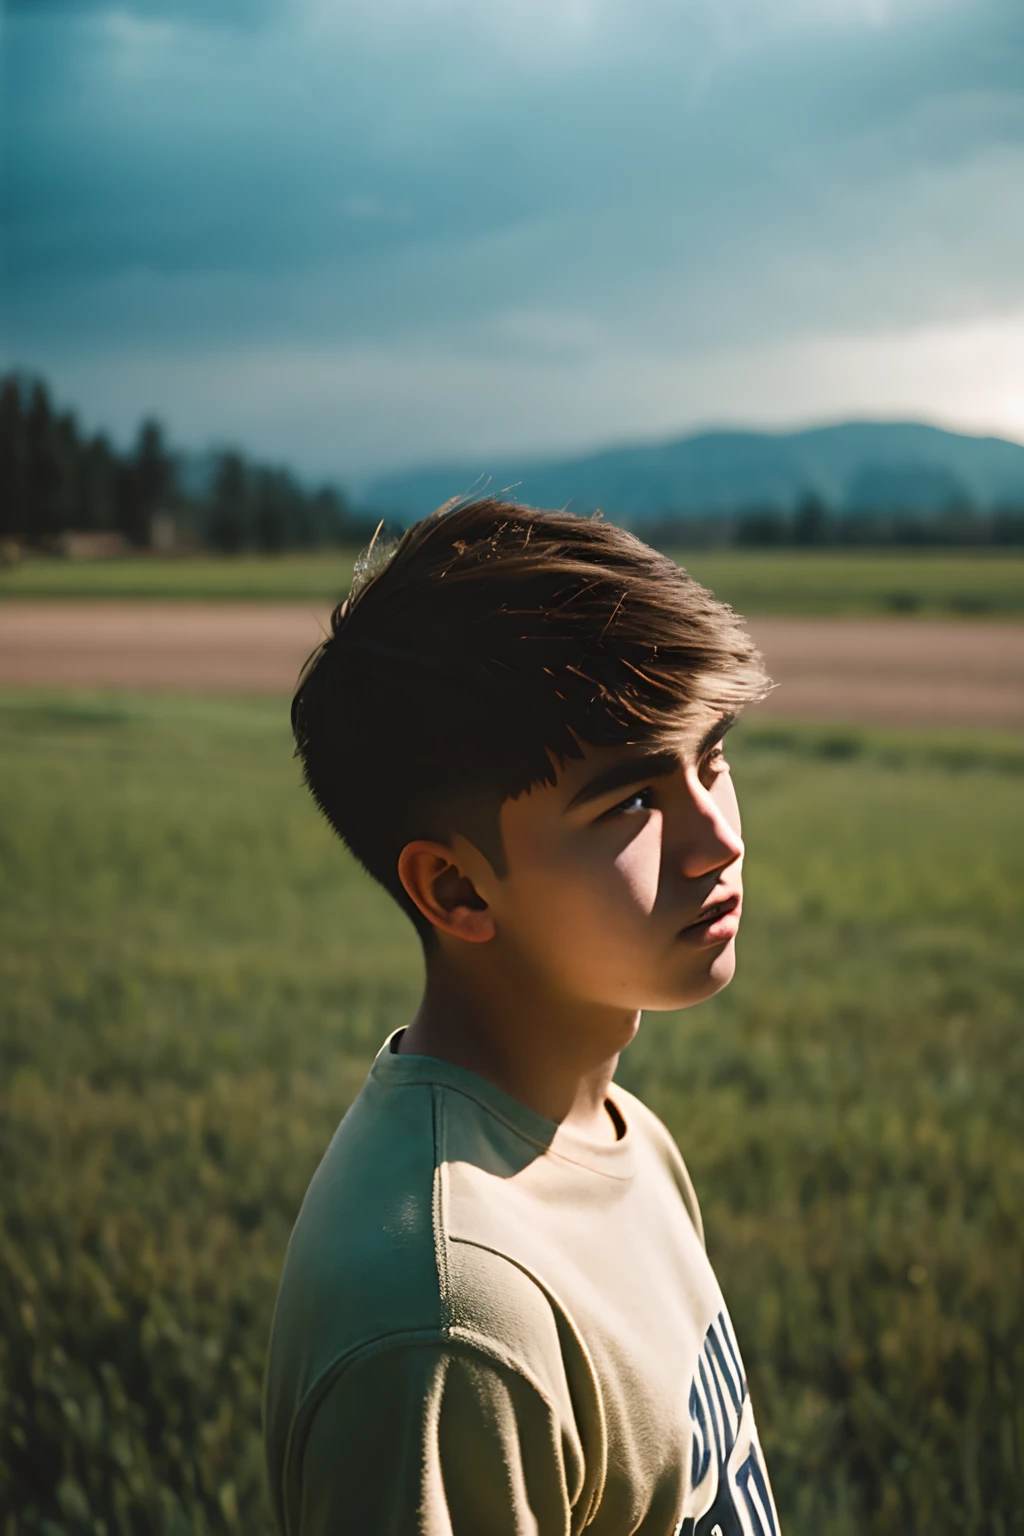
358, 484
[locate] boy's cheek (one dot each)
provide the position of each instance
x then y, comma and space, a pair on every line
583, 896
561, 917
725, 794
637, 872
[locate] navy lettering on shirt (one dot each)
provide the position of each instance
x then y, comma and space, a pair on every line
729, 1493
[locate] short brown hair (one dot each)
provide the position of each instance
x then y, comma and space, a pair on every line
480, 651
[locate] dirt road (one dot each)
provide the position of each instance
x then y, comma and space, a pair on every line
884, 671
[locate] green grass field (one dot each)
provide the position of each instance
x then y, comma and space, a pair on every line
945, 582
194, 979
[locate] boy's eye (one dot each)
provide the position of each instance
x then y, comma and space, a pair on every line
639, 800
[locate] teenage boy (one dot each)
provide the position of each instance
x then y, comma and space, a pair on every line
496, 1314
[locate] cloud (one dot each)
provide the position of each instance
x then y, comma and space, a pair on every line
588, 187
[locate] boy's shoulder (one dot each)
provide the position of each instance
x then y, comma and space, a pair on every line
448, 1221
371, 1266
663, 1146
429, 1163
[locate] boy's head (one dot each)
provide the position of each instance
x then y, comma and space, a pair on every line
494, 650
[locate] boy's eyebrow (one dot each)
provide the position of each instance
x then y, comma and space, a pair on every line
715, 732
652, 765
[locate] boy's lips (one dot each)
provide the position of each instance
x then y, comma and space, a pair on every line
718, 920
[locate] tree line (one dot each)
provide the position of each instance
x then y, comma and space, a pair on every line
56, 479
813, 524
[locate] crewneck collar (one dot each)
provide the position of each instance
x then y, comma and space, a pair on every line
613, 1159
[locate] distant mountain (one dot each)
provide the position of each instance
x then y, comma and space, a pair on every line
857, 465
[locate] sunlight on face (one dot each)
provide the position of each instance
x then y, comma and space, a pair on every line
624, 878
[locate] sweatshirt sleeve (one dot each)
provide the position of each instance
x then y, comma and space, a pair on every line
430, 1439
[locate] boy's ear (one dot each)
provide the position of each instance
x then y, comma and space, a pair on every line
443, 892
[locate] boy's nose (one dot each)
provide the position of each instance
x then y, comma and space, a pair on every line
710, 841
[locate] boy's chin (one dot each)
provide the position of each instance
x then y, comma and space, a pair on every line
698, 988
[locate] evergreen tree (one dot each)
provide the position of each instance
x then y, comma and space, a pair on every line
810, 524
42, 467
1008, 524
13, 460
762, 527
329, 514
147, 483
66, 453
229, 513
274, 501
96, 493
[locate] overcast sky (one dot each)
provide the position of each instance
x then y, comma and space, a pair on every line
358, 236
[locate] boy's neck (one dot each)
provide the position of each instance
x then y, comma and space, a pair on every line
555, 1056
